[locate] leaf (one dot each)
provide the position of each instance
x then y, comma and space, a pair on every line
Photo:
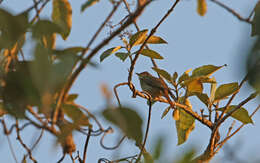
62, 16
202, 7
158, 148
74, 113
165, 112
155, 40
137, 38
19, 91
184, 76
187, 157
185, 124
127, 120
87, 4
12, 28
206, 70
45, 28
207, 80
122, 56
163, 73
72, 50
203, 98
195, 86
147, 157
256, 21
240, 114
213, 89
150, 53
72, 97
225, 90
108, 52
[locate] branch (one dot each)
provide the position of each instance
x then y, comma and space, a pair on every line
86, 60
247, 20
23, 144
204, 121
236, 131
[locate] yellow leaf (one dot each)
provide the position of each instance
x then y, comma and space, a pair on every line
202, 7
185, 123
195, 86
62, 16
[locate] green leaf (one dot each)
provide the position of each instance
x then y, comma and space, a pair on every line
151, 53
71, 50
72, 97
163, 73
108, 52
185, 123
203, 98
137, 38
156, 40
187, 157
122, 56
19, 91
165, 112
74, 113
147, 157
206, 70
12, 28
87, 4
62, 16
240, 114
256, 21
225, 90
213, 88
127, 120
158, 148
45, 27
183, 77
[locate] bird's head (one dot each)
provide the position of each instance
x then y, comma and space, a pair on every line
143, 74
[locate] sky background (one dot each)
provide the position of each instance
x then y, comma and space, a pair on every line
217, 38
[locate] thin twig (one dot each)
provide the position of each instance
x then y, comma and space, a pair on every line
23, 144
184, 107
147, 38
110, 148
11, 148
86, 146
247, 20
147, 130
61, 159
236, 131
232, 97
39, 11
116, 94
86, 60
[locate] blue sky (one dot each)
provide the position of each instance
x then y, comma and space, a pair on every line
217, 38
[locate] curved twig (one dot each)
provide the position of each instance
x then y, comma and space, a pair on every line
147, 129
109, 130
86, 146
116, 94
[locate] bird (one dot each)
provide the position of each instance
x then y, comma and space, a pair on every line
155, 87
